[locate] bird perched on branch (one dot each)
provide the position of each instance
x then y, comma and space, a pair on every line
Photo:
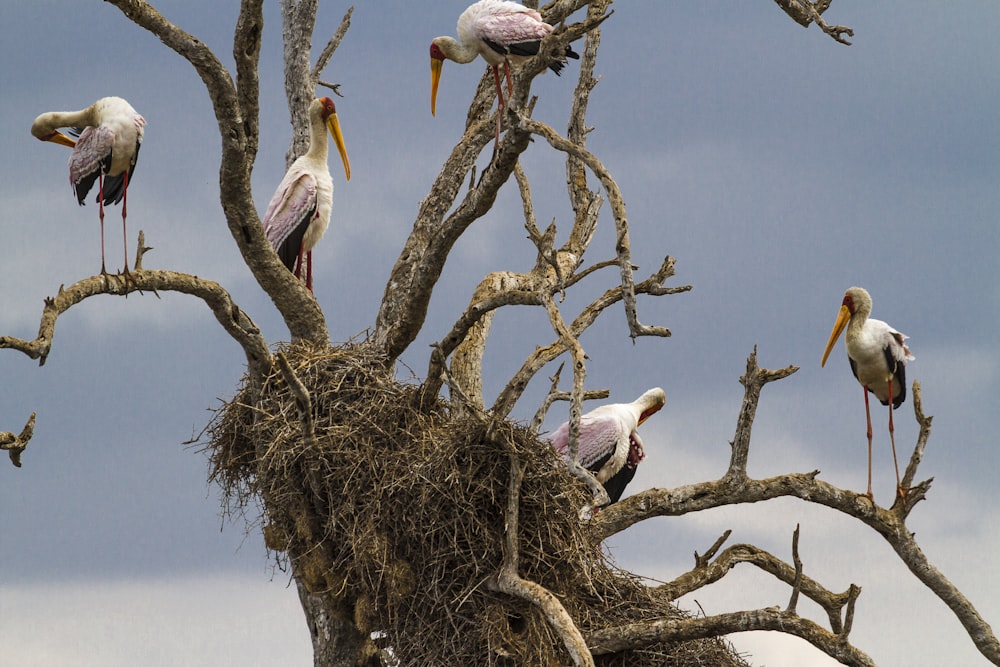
299, 212
878, 357
609, 443
109, 135
496, 30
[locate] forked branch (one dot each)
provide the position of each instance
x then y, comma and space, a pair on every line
232, 318
15, 444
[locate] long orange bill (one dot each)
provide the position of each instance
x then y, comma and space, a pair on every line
333, 125
436, 66
843, 317
60, 138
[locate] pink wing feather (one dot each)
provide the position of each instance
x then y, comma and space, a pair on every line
599, 436
292, 205
513, 24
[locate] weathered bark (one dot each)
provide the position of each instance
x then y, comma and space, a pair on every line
15, 444
229, 315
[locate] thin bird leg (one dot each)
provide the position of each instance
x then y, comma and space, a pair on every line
506, 70
868, 416
309, 270
298, 263
124, 215
892, 438
100, 213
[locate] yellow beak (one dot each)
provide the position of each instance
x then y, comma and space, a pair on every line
843, 317
333, 125
436, 66
62, 139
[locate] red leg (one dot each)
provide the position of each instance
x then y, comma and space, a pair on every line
100, 212
124, 215
309, 270
892, 438
868, 416
298, 264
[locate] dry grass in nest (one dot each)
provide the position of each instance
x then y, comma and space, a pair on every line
395, 516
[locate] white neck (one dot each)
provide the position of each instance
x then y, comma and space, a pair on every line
456, 51
317, 139
53, 120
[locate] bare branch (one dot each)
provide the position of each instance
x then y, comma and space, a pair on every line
572, 343
246, 53
324, 56
708, 571
556, 395
753, 380
230, 316
622, 245
797, 562
303, 401
805, 12
541, 356
915, 495
509, 581
701, 561
637, 635
15, 444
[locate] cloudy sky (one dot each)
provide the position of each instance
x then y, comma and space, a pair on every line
777, 166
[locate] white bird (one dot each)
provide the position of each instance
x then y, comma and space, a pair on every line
110, 134
878, 355
299, 212
609, 442
495, 30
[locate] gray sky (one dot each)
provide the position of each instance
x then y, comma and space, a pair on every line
777, 166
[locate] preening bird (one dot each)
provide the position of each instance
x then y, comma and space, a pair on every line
110, 134
878, 355
495, 30
609, 443
299, 212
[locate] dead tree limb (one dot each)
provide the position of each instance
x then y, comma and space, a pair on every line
232, 318
510, 582
15, 444
637, 635
805, 12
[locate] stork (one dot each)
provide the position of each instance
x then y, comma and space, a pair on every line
496, 30
609, 442
878, 355
299, 212
110, 134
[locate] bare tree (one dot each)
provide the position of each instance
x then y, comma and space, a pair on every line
421, 529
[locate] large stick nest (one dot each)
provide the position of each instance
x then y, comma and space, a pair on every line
395, 515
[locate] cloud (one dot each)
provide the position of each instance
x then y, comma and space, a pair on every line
192, 620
